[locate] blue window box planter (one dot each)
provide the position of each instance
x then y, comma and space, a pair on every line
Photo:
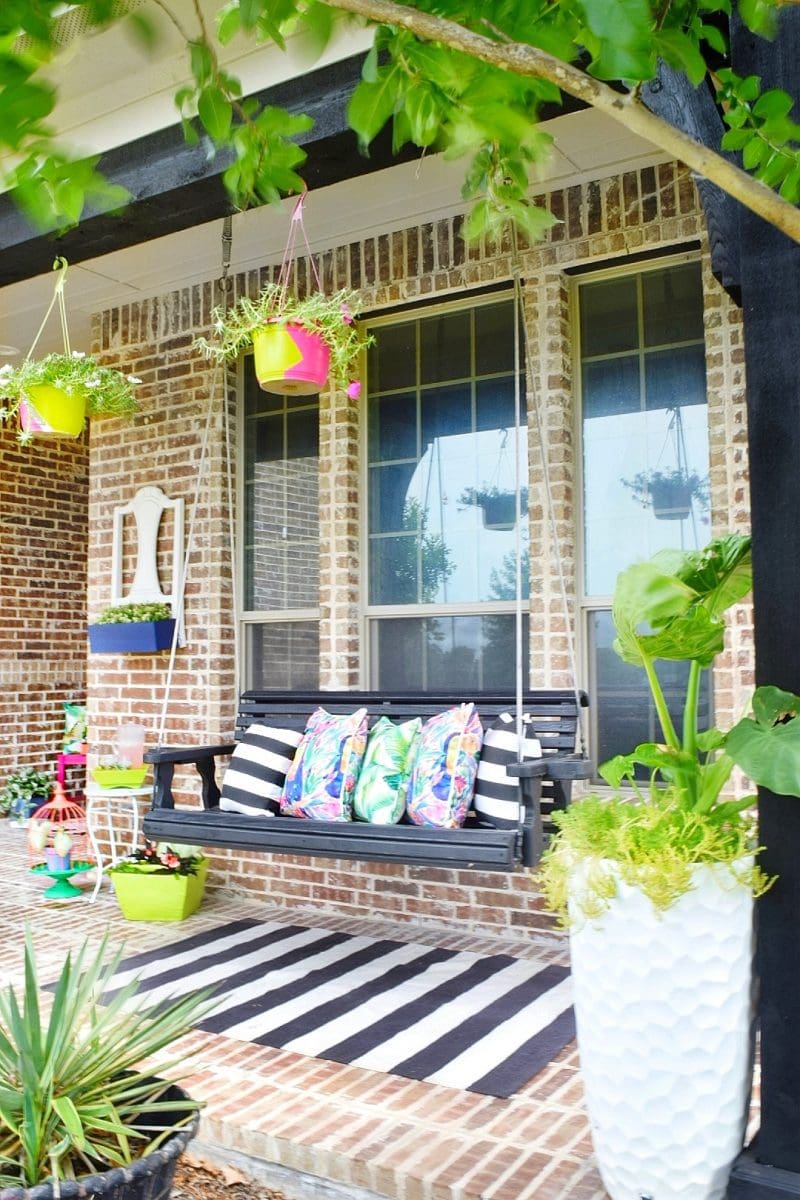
132, 637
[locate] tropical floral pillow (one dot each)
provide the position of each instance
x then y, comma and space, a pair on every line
380, 795
443, 778
322, 778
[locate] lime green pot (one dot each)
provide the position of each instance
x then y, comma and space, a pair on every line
49, 411
144, 895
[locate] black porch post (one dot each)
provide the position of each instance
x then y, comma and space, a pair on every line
770, 276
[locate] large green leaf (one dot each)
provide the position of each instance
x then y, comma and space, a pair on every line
621, 42
767, 745
645, 599
720, 574
691, 635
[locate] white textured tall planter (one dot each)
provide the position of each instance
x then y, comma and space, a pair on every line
664, 1012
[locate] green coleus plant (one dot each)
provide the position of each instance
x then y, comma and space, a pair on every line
672, 609
125, 614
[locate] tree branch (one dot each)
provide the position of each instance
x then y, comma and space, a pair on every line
522, 59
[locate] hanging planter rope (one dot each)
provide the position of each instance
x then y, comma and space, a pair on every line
53, 396
297, 342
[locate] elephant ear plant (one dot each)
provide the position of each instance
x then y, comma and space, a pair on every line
74, 1097
672, 608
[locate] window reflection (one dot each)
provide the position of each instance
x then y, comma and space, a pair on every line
447, 478
645, 420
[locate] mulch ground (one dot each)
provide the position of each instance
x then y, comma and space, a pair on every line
198, 1179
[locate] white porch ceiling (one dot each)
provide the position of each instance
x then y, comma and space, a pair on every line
588, 145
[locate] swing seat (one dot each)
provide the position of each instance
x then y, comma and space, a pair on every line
544, 784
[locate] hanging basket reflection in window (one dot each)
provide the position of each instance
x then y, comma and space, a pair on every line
670, 494
499, 507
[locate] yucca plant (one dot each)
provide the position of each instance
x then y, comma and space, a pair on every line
75, 1098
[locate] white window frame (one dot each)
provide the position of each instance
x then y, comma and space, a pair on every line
372, 613
246, 618
590, 603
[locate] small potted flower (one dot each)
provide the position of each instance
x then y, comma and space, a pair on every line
160, 882
132, 629
296, 342
54, 395
24, 791
115, 772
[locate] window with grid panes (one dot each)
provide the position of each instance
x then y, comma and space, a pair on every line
280, 547
443, 462
645, 467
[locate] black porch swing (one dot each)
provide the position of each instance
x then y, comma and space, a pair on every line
552, 716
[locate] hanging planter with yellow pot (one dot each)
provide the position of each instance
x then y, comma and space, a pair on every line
49, 411
54, 395
296, 340
290, 360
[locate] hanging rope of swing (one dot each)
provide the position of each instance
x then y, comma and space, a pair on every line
217, 398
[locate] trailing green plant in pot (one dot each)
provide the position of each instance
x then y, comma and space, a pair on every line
297, 342
75, 1103
53, 395
657, 884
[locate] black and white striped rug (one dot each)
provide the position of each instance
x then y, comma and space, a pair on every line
482, 1023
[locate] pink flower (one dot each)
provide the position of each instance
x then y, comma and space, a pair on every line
347, 316
354, 390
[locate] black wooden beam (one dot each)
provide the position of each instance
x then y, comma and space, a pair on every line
771, 304
692, 109
176, 186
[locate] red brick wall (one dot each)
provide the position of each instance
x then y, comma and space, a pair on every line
43, 548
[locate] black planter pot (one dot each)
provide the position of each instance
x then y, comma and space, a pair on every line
148, 1178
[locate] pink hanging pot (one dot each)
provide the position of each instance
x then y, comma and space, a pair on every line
290, 360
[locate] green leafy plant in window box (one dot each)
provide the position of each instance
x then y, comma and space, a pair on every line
132, 628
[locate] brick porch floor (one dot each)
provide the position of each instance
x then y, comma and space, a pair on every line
362, 1129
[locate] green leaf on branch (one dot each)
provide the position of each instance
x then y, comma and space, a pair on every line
682, 53
373, 103
215, 112
767, 745
622, 37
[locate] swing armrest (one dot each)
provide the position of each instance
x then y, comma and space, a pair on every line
569, 766
166, 758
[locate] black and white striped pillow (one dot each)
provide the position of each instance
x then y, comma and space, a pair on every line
255, 776
496, 799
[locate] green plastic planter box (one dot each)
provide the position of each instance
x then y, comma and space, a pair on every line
144, 895
132, 637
